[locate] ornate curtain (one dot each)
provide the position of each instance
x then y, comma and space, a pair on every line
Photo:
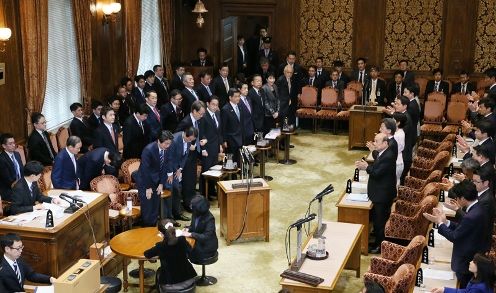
82, 21
34, 38
132, 22
166, 8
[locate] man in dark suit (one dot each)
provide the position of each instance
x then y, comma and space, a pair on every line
438, 84
481, 111
13, 270
194, 119
242, 56
464, 86
139, 91
106, 135
360, 73
95, 163
264, 69
177, 79
246, 110
395, 87
189, 94
483, 134
11, 167
338, 65
408, 76
413, 108
79, 127
322, 74
336, 84
153, 120
256, 96
253, 45
483, 156
204, 90
39, 145
222, 83
287, 90
202, 60
467, 234
26, 194
232, 121
160, 85
381, 186
268, 53
151, 177
298, 73
312, 80
490, 75
149, 81
172, 113
213, 135
94, 119
135, 133
376, 88
177, 157
66, 172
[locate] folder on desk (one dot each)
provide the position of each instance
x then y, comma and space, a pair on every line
363, 197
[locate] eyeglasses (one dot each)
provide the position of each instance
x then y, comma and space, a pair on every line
18, 248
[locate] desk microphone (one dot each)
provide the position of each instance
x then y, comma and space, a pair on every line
326, 191
67, 197
303, 220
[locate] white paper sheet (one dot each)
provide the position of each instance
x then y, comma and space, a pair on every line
363, 197
438, 274
213, 173
273, 133
44, 289
216, 167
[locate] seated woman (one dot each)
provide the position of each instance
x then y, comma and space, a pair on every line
176, 272
202, 229
483, 281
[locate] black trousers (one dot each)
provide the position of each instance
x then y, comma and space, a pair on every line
149, 207
407, 164
207, 163
189, 178
380, 215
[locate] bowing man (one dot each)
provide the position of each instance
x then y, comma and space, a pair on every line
66, 172
27, 196
97, 162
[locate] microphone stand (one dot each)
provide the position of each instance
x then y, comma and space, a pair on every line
320, 227
73, 207
300, 257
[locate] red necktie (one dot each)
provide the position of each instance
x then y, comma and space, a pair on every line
156, 113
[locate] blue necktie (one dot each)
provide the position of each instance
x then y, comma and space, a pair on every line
16, 166
197, 137
161, 160
18, 273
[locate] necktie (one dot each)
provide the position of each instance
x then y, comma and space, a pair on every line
31, 188
156, 113
398, 90
436, 88
194, 94
141, 126
334, 84
319, 73
373, 95
185, 148
215, 120
112, 134
197, 137
289, 85
236, 110
142, 93
163, 83
161, 160
18, 273
226, 84
360, 79
16, 166
247, 104
208, 90
311, 81
464, 88
48, 145
203, 63
266, 53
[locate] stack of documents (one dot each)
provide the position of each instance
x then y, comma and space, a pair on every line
363, 197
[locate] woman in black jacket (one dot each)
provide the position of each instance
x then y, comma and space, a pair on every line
202, 229
176, 272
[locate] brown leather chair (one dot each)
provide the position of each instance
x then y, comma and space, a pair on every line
62, 136
127, 168
308, 104
422, 84
53, 140
45, 181
460, 98
110, 185
422, 168
22, 152
350, 98
428, 153
407, 219
356, 86
456, 113
415, 196
433, 118
432, 144
329, 105
416, 183
400, 282
394, 255
438, 97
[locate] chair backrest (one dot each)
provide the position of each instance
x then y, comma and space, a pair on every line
412, 252
22, 152
437, 96
459, 97
355, 85
483, 83
445, 146
433, 111
62, 136
120, 141
441, 160
435, 176
457, 112
53, 140
105, 184
128, 167
432, 188
308, 97
329, 97
403, 279
45, 181
450, 137
350, 97
421, 83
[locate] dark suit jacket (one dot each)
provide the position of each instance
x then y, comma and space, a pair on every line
149, 175
138, 96
176, 83
202, 229
355, 75
466, 237
325, 76
443, 87
298, 73
154, 125
231, 127
176, 157
162, 90
91, 165
93, 121
134, 138
8, 173
220, 89
8, 278
38, 150
488, 203
148, 87
408, 78
257, 108
340, 85
380, 92
63, 174
381, 186
188, 100
273, 57
391, 91
265, 74
202, 92
240, 60
170, 118
103, 139
457, 88
490, 146
285, 95
83, 131
23, 200
413, 110
188, 122
344, 78
410, 138
213, 134
247, 121
317, 82
197, 63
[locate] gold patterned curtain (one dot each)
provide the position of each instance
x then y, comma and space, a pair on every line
132, 22
34, 38
166, 8
82, 19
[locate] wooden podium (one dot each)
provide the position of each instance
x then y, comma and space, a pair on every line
363, 124
234, 211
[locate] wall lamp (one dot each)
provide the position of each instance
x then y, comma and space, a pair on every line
5, 34
110, 12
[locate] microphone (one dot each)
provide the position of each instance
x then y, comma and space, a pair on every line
326, 191
67, 197
303, 220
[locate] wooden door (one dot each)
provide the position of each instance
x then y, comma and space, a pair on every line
229, 35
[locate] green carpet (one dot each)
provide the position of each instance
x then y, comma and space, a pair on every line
255, 266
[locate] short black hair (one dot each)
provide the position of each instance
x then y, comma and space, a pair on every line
488, 103
361, 59
147, 95
73, 141
490, 72
484, 174
125, 80
291, 52
319, 58
485, 127
464, 72
74, 106
311, 66
465, 189
390, 124
414, 88
115, 159
240, 37
32, 168
149, 73
437, 70
5, 137
483, 151
8, 240
232, 91
223, 65
398, 72
213, 97
373, 287
403, 60
197, 105
35, 117
191, 131
105, 110
201, 50
263, 60
374, 68
174, 93
95, 104
404, 100
142, 109
401, 118
155, 67
165, 135
139, 77
203, 74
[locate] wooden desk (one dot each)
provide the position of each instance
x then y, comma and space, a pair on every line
52, 251
363, 125
343, 245
132, 244
233, 204
357, 213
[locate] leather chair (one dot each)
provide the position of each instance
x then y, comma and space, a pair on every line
22, 150
350, 97
418, 184
415, 196
394, 255
428, 153
205, 280
492, 252
308, 104
433, 118
329, 105
356, 86
114, 284
407, 220
432, 144
127, 168
174, 289
456, 113
62, 136
45, 181
422, 168
437, 96
110, 185
400, 282
422, 84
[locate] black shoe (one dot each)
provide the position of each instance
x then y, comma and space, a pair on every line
375, 250
176, 224
291, 146
182, 218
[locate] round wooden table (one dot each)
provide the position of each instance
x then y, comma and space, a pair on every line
132, 244
129, 217
287, 160
263, 156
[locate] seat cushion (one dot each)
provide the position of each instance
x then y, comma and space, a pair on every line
343, 115
326, 114
451, 129
306, 112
